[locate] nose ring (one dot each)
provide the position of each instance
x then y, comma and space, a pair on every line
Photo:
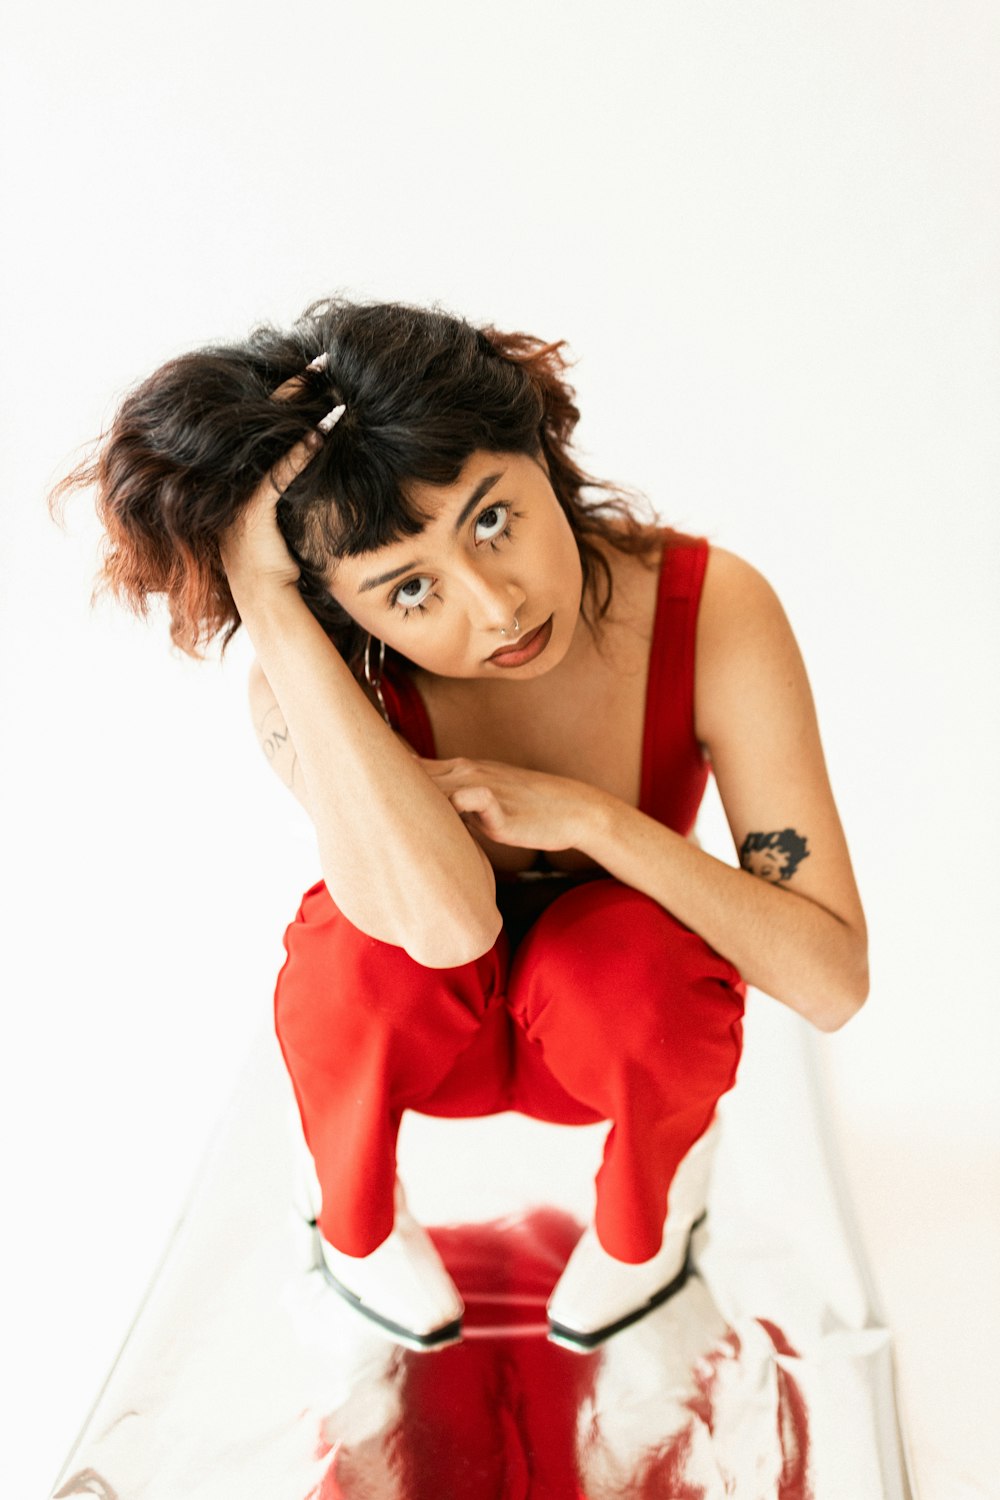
516, 627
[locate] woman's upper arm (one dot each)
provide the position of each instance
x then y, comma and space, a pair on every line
755, 714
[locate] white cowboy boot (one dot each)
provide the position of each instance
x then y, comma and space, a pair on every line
402, 1285
597, 1295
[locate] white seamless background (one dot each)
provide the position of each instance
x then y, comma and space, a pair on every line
769, 232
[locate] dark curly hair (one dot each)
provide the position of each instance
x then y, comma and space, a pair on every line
423, 389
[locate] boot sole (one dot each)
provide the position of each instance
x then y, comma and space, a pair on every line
438, 1338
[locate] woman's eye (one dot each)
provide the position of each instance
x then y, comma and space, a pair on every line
408, 595
493, 511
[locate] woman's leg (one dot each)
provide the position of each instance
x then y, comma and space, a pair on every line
366, 1032
641, 1021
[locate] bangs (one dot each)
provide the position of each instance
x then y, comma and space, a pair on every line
348, 526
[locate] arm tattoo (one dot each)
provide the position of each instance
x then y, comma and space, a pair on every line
773, 856
272, 731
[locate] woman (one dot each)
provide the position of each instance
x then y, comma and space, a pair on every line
498, 702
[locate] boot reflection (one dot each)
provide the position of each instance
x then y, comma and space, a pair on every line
491, 1417
678, 1403
683, 1405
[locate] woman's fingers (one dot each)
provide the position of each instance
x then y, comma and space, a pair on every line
253, 547
472, 799
291, 387
291, 464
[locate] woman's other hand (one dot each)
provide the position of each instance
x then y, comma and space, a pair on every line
513, 805
252, 549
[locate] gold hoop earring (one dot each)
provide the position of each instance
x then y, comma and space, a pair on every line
376, 682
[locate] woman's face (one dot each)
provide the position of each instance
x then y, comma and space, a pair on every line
498, 545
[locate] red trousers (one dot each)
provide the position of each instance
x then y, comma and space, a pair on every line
607, 1009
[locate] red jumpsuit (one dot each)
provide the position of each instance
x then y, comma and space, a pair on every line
594, 1003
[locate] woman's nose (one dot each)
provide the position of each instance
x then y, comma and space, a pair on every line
496, 604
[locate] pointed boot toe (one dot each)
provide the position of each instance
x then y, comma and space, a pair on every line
597, 1295
402, 1287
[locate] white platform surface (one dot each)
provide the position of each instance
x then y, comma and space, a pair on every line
217, 1393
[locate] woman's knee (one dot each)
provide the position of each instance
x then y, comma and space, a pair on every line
339, 986
606, 937
614, 974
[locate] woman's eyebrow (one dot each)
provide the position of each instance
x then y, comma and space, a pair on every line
481, 489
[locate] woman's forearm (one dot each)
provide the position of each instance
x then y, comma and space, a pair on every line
781, 942
396, 857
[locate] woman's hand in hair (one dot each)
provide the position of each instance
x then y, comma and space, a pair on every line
252, 549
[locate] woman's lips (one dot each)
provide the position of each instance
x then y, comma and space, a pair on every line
532, 645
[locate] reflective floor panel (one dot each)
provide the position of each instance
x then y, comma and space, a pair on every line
768, 1374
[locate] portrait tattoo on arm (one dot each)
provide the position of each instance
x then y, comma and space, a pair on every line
774, 856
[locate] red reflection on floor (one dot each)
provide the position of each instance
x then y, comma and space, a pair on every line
495, 1416
794, 1417
506, 1415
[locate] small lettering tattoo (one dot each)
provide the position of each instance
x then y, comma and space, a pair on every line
274, 742
272, 731
774, 856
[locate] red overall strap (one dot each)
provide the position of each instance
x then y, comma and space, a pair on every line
405, 708
674, 772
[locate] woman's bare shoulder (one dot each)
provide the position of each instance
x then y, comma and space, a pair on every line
737, 604
732, 589
727, 575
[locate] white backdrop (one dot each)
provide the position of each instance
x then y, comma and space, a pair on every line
769, 232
